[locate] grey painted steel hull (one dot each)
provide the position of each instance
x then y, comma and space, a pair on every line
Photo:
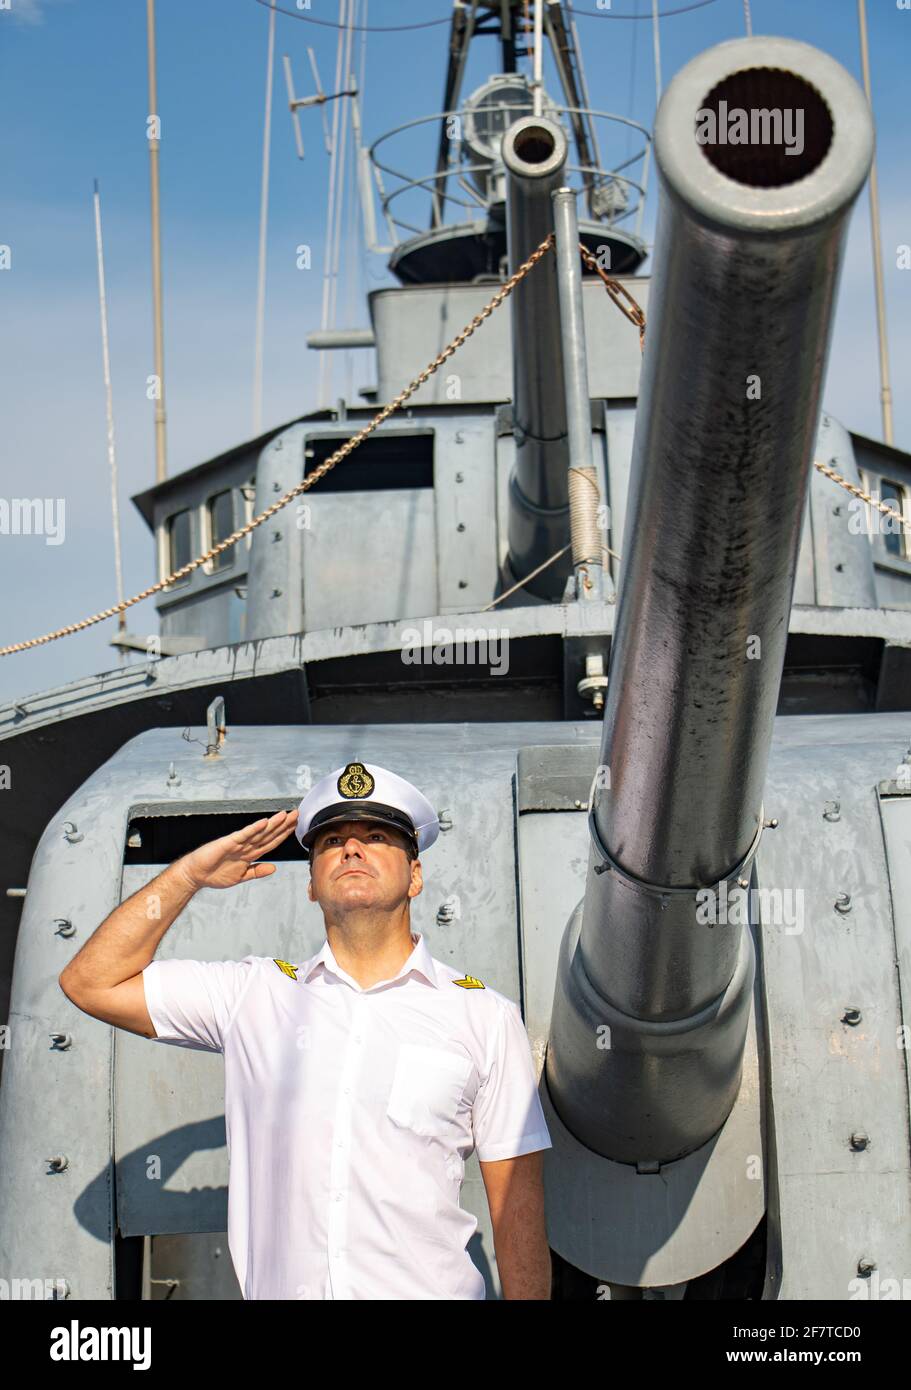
109, 1100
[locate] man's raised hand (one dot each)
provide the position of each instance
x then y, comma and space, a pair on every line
225, 862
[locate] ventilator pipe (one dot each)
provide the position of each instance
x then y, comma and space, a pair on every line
584, 499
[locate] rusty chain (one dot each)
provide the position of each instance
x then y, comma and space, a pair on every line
314, 477
613, 288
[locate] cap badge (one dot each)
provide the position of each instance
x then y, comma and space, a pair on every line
355, 781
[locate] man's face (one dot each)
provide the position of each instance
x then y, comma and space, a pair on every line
362, 864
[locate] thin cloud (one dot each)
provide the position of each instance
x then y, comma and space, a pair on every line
32, 11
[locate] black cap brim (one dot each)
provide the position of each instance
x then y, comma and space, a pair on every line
359, 810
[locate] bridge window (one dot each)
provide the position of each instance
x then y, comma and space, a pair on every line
220, 525
893, 534
178, 547
385, 461
248, 495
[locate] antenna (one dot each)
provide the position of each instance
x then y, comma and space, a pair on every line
320, 99
319, 87
538, 79
292, 103
364, 184
112, 456
656, 49
335, 148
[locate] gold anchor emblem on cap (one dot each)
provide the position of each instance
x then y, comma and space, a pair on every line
355, 781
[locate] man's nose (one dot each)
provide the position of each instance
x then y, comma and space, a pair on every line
353, 844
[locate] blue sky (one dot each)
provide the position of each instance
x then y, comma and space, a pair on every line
73, 106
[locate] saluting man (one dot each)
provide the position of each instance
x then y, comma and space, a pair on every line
356, 1083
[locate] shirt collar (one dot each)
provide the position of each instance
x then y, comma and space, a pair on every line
420, 961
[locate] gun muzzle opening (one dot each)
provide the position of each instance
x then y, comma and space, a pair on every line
534, 149
764, 127
534, 144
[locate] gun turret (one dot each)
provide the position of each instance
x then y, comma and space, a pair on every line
762, 146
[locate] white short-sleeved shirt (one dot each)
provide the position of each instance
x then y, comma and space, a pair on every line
349, 1115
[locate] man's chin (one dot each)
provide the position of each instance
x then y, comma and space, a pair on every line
355, 888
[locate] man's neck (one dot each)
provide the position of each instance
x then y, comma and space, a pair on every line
371, 950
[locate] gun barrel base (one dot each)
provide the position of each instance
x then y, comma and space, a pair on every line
678, 1077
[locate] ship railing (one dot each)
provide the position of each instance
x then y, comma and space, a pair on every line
451, 193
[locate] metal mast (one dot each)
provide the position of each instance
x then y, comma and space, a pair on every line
161, 466
109, 403
263, 220
885, 393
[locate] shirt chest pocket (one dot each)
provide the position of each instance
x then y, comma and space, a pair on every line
426, 1089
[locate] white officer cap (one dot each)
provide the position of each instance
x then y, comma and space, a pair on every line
363, 791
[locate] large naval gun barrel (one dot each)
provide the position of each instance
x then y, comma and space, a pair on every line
748, 250
534, 152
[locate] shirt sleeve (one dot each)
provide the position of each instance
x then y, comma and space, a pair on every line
507, 1118
192, 1002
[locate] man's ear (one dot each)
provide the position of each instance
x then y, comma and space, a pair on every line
417, 879
310, 887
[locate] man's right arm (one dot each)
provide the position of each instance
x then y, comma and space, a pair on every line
105, 978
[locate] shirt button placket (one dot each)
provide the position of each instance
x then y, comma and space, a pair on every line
340, 1165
